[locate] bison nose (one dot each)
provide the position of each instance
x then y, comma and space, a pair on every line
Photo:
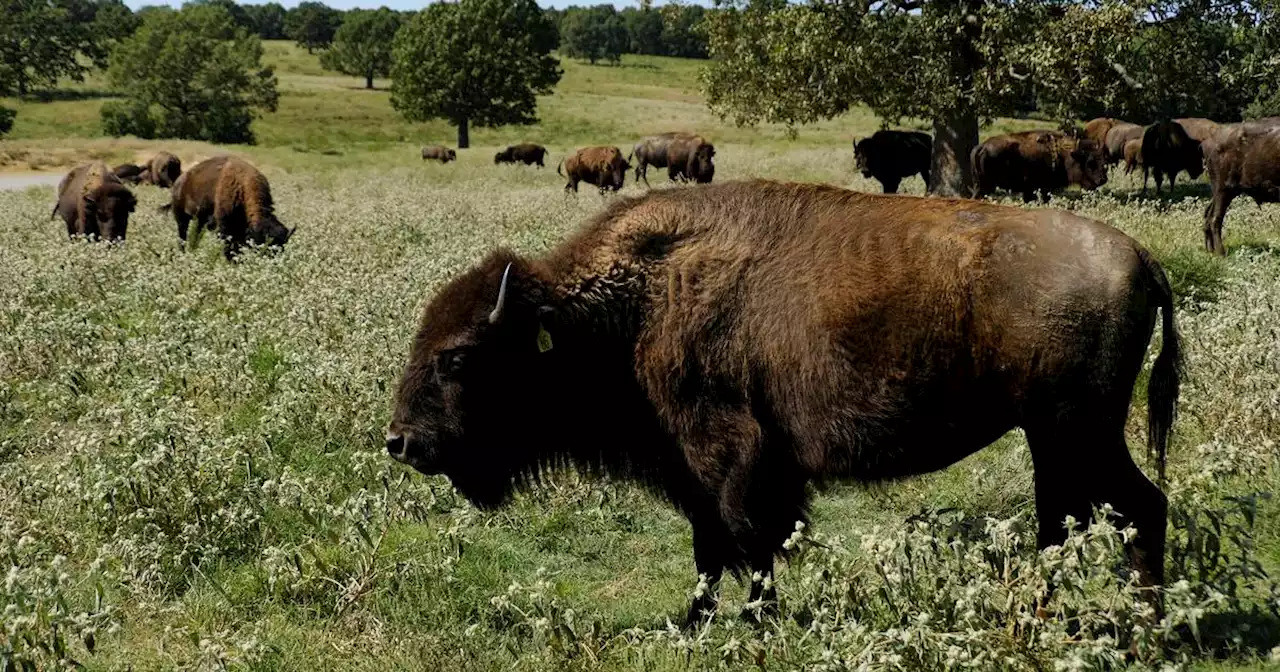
395, 445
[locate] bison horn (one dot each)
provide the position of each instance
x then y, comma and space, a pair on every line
502, 297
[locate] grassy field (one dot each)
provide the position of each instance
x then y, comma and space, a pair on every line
192, 473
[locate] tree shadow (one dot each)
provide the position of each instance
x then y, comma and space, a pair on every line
1254, 246
67, 95
1134, 195
1231, 634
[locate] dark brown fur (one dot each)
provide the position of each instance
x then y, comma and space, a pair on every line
729, 345
890, 156
162, 170
128, 173
690, 159
654, 150
602, 166
94, 203
1242, 159
526, 153
439, 153
1036, 161
228, 195
1167, 149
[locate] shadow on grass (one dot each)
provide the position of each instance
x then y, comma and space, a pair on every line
1134, 195
1254, 246
1231, 634
60, 95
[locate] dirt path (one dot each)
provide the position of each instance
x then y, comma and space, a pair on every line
16, 181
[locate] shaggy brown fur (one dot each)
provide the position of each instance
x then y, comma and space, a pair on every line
602, 166
162, 170
689, 159
1198, 128
1242, 159
1167, 149
227, 194
654, 150
1031, 161
94, 203
890, 156
128, 173
1097, 129
1132, 156
729, 345
526, 153
1119, 134
439, 153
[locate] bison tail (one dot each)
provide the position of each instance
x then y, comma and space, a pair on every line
1162, 389
558, 167
977, 157
55, 211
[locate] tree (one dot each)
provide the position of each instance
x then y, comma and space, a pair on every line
268, 20
481, 62
644, 31
594, 33
42, 41
312, 25
362, 45
681, 30
960, 62
189, 74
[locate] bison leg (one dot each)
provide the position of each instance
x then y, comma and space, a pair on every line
1214, 216
890, 184
710, 540
1145, 172
642, 173
184, 222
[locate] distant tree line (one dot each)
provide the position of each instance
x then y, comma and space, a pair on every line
603, 33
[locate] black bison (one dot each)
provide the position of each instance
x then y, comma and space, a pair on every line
128, 173
227, 194
526, 153
1167, 150
439, 153
1242, 159
1036, 161
602, 166
729, 345
655, 150
1117, 136
94, 203
162, 170
890, 156
690, 159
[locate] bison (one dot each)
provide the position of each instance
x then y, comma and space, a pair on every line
690, 159
94, 203
654, 150
526, 153
1132, 156
1166, 150
601, 166
1119, 134
1199, 129
1242, 159
439, 153
227, 194
729, 345
1097, 129
1032, 161
128, 173
890, 156
162, 170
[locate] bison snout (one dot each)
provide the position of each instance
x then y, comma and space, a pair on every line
395, 446
408, 448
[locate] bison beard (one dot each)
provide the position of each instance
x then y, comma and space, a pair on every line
736, 343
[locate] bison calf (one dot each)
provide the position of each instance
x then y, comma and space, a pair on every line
1132, 156
94, 203
526, 153
1036, 161
439, 153
729, 345
602, 166
227, 194
890, 156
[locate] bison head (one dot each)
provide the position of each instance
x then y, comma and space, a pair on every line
453, 156
464, 408
861, 152
701, 167
1193, 162
271, 232
1085, 165
110, 206
504, 155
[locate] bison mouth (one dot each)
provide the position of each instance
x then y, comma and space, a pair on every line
866, 174
412, 451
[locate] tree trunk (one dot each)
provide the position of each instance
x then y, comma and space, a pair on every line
368, 80
954, 137
464, 134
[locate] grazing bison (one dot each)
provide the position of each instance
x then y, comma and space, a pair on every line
439, 153
227, 194
128, 173
690, 159
1242, 159
162, 170
729, 345
1166, 150
890, 156
1032, 161
1132, 156
1119, 134
94, 203
654, 150
1199, 129
526, 153
1097, 129
602, 166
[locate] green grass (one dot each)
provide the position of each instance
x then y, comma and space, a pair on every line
213, 432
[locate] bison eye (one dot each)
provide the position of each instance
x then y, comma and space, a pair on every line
449, 362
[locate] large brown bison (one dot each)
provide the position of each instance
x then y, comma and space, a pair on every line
1097, 129
1167, 150
227, 194
890, 156
129, 173
1199, 129
439, 153
1117, 136
654, 150
1036, 161
94, 203
729, 345
1242, 159
602, 166
162, 170
690, 159
525, 152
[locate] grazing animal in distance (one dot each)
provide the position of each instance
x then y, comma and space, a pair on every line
734, 343
602, 166
128, 173
690, 159
1036, 161
1242, 160
1132, 156
439, 153
1166, 150
890, 156
94, 203
162, 170
227, 194
525, 152
1119, 134
655, 150
1097, 129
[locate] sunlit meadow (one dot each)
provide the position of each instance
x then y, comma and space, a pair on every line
192, 473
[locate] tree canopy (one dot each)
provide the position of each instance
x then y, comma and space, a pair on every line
957, 62
42, 41
362, 45
594, 33
312, 25
189, 74
481, 62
